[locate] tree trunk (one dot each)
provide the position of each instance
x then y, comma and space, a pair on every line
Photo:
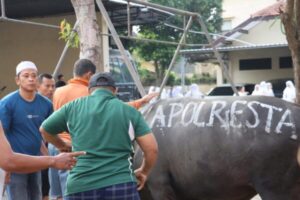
90, 40
291, 21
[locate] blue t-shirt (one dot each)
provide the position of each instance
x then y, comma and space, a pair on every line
21, 121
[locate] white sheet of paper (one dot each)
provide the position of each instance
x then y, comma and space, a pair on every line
2, 179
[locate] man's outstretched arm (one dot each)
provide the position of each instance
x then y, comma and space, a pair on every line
20, 163
142, 101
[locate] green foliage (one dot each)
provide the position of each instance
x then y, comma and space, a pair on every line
68, 34
210, 10
172, 79
188, 81
147, 78
162, 54
204, 78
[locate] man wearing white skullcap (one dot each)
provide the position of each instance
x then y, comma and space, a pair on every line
21, 113
25, 65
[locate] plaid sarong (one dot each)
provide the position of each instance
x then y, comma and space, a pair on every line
123, 191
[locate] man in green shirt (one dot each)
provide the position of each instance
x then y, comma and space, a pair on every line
105, 128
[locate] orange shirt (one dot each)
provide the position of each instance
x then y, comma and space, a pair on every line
76, 88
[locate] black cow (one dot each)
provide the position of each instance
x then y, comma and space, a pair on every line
225, 149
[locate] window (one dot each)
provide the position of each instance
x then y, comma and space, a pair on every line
227, 25
256, 64
285, 62
115, 69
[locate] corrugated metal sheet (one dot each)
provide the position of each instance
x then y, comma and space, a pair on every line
19, 9
234, 48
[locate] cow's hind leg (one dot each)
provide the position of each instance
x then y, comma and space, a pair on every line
161, 189
145, 193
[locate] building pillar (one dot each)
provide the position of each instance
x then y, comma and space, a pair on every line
220, 78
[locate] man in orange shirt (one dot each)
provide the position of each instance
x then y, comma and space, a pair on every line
77, 87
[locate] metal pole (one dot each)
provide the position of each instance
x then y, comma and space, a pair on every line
220, 60
60, 61
31, 23
156, 41
3, 14
175, 55
182, 70
121, 48
165, 8
64, 52
184, 25
213, 34
183, 62
128, 19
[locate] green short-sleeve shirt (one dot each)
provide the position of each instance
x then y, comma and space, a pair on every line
105, 128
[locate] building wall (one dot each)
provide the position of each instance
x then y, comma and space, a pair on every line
238, 11
39, 44
28, 42
256, 76
265, 32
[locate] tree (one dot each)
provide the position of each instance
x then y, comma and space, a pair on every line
290, 17
89, 34
161, 54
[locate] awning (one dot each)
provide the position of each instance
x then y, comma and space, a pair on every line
19, 9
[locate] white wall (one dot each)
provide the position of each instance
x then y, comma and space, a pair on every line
256, 76
265, 32
240, 10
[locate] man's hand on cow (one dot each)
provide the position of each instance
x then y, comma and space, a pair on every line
141, 178
66, 160
149, 97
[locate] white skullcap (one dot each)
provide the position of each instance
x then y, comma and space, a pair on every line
25, 65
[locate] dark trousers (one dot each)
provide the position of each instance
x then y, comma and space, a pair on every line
45, 183
123, 191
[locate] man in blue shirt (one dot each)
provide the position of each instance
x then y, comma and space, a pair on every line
22, 112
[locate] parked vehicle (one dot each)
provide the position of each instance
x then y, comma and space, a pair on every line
127, 89
226, 90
